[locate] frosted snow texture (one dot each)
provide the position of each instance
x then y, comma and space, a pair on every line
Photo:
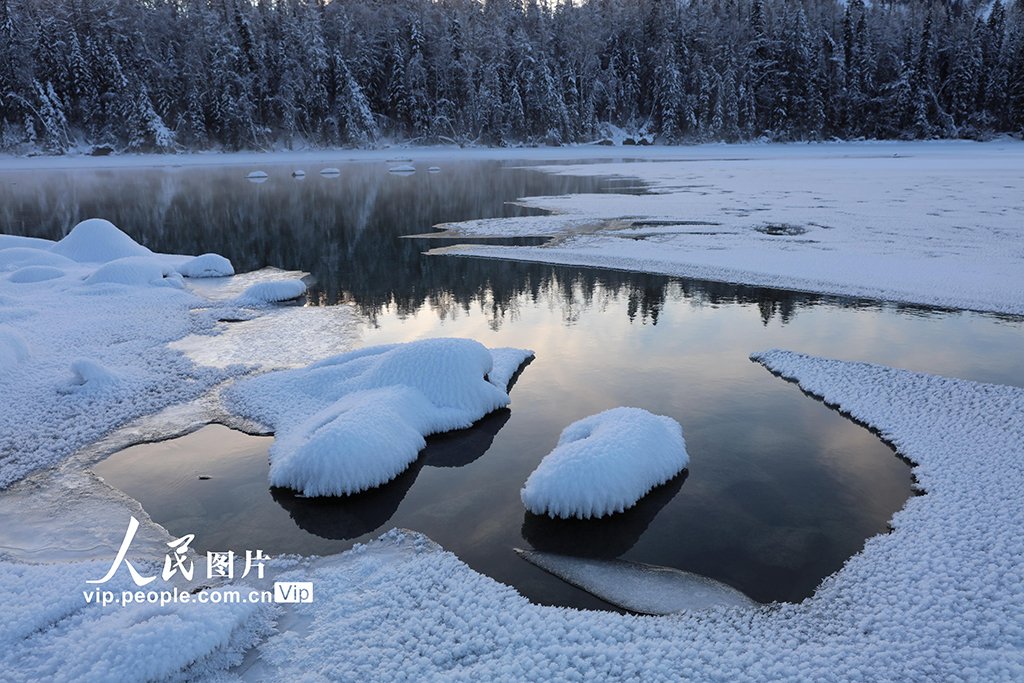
605, 463
207, 265
356, 420
98, 241
638, 587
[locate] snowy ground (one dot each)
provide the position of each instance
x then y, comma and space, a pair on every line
938, 599
940, 224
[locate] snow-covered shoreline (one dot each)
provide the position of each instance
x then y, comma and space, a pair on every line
931, 224
938, 599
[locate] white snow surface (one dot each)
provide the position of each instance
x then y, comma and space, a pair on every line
83, 354
207, 265
639, 587
934, 224
357, 420
605, 463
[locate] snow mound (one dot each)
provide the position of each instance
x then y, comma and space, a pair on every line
13, 348
257, 175
330, 172
207, 265
98, 241
405, 169
20, 257
638, 587
263, 293
299, 175
90, 375
356, 420
506, 362
605, 463
137, 271
434, 169
36, 274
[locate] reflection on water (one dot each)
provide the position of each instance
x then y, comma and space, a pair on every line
781, 489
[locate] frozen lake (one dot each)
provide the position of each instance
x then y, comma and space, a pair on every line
780, 490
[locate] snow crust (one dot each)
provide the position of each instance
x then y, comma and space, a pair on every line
639, 587
207, 265
933, 224
98, 241
357, 420
605, 463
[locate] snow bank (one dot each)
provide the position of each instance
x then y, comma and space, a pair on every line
638, 587
506, 362
263, 293
207, 265
98, 241
354, 421
136, 271
605, 463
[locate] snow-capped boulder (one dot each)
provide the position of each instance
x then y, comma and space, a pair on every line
36, 274
89, 376
20, 257
605, 463
137, 271
263, 293
207, 265
98, 241
354, 421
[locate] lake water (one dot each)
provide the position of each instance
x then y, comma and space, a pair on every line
780, 490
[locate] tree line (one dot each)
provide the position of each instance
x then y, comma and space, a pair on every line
173, 75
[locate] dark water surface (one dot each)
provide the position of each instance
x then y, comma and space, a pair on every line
780, 490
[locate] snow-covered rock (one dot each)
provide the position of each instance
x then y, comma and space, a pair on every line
14, 258
98, 241
207, 265
605, 463
405, 169
258, 176
330, 172
639, 587
263, 293
36, 274
354, 421
90, 375
137, 271
506, 361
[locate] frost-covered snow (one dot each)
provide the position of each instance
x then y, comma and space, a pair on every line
605, 463
639, 587
136, 271
357, 420
207, 265
934, 224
